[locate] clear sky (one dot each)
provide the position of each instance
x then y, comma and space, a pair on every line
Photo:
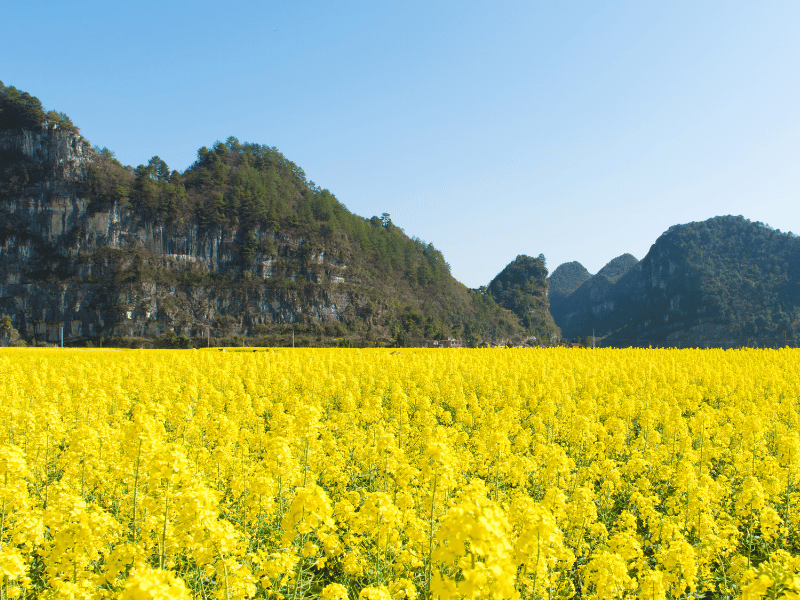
577, 129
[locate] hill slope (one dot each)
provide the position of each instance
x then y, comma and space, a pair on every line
521, 288
239, 244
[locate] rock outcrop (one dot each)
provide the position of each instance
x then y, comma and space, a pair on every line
63, 157
69, 266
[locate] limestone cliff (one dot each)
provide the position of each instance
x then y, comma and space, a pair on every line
62, 156
92, 271
522, 288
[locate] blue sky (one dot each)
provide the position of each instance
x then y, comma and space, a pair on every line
579, 130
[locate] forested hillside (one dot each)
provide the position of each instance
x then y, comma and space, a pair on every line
521, 288
251, 187
740, 275
242, 224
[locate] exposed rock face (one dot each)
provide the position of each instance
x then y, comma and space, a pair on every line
660, 304
64, 157
65, 265
644, 302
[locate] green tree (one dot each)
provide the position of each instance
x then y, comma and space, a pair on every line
8, 335
158, 169
19, 110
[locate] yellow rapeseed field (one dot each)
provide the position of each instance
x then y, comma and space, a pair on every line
367, 474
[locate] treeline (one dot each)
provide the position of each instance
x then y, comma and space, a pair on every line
19, 110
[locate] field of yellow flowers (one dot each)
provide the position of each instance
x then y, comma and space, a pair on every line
505, 473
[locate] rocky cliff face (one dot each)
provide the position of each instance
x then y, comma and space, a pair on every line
521, 287
658, 302
63, 157
66, 265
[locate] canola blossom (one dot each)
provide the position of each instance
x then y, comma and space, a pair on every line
365, 474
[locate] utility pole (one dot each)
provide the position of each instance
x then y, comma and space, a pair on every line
61, 335
592, 338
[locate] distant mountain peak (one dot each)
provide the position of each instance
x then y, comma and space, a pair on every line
567, 278
725, 282
618, 266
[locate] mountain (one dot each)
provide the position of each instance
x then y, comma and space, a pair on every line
594, 304
522, 288
239, 244
723, 282
567, 278
617, 267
